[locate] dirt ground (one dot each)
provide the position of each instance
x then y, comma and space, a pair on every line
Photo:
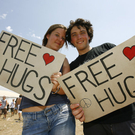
13, 126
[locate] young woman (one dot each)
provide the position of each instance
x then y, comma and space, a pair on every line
55, 118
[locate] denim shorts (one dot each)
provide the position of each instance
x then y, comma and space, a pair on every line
56, 120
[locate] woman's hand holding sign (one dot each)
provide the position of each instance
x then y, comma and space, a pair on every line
54, 79
56, 87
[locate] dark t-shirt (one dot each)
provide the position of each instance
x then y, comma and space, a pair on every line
121, 115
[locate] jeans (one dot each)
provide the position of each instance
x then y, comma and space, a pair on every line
56, 120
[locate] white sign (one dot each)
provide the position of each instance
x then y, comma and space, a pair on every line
26, 67
104, 84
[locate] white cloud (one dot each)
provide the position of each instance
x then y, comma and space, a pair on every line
33, 35
3, 16
8, 28
20, 36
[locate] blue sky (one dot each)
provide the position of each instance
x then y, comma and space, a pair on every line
113, 20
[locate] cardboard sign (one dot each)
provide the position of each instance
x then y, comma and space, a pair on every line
26, 67
104, 84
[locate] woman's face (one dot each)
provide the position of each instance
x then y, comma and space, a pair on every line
56, 39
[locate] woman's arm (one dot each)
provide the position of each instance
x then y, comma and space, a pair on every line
56, 86
66, 67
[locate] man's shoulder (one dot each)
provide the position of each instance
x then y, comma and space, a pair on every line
105, 46
3, 100
19, 98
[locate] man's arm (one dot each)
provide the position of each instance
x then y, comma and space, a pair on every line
78, 112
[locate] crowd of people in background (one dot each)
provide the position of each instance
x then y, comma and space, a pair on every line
12, 107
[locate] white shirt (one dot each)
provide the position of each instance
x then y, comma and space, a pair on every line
12, 105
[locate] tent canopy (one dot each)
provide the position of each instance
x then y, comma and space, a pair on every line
8, 93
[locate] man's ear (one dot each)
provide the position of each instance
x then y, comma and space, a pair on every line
89, 37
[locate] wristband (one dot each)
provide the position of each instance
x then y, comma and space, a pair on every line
57, 90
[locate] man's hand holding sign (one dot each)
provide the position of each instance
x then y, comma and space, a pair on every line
104, 84
26, 67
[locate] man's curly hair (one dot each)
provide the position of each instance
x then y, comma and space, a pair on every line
79, 22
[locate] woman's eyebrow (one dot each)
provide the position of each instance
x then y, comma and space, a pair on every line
57, 32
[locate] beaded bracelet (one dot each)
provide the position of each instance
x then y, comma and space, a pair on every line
57, 90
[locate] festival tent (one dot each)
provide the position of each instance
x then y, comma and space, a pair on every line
9, 95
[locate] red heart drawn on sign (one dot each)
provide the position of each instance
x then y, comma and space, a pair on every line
129, 52
47, 58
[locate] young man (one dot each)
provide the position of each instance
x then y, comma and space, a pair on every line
120, 122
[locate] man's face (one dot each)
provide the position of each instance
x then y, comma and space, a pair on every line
80, 38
